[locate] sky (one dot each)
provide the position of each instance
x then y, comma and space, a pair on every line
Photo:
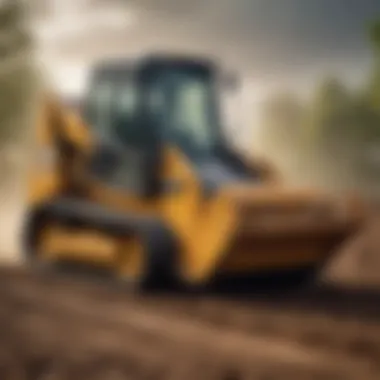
271, 42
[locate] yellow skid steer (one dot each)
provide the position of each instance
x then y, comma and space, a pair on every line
145, 184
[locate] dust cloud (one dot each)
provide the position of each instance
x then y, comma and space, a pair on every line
12, 208
151, 24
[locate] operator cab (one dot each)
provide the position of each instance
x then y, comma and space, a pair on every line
165, 100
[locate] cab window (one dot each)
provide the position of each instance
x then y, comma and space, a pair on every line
113, 106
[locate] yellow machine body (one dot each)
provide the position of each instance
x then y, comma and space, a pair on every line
242, 228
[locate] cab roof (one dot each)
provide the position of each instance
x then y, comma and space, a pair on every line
147, 61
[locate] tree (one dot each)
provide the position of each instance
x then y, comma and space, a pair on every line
325, 142
330, 109
282, 130
374, 78
17, 81
16, 68
374, 34
283, 118
333, 141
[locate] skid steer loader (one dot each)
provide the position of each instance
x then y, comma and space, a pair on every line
144, 184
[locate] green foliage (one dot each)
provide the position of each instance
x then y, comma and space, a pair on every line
330, 107
283, 118
283, 133
335, 137
17, 84
374, 77
374, 32
16, 69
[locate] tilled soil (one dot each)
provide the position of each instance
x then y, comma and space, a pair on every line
63, 328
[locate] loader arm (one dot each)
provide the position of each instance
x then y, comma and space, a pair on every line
71, 141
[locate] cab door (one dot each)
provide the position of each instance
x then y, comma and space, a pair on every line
125, 158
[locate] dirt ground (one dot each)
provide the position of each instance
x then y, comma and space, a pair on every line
358, 262
63, 328
55, 328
